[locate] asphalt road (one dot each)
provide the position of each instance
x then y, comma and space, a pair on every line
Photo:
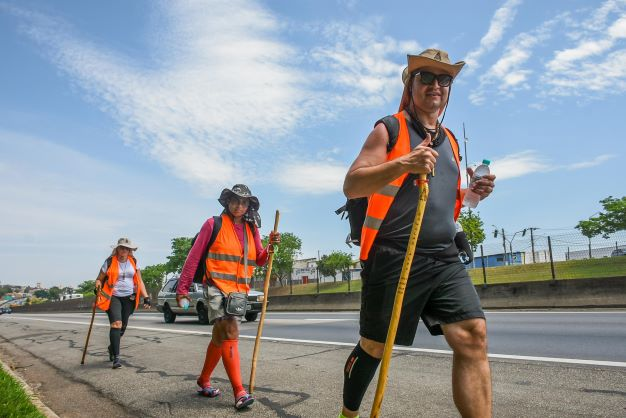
544, 364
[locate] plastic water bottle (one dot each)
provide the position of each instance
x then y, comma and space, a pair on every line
471, 198
184, 303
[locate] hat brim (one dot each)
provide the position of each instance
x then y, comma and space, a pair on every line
125, 246
416, 62
227, 193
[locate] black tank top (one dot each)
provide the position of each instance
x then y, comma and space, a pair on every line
438, 226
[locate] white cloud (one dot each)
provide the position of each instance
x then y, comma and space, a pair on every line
519, 164
360, 63
506, 75
599, 50
502, 19
592, 163
530, 162
223, 90
312, 177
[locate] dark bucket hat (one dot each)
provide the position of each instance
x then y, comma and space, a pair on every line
240, 190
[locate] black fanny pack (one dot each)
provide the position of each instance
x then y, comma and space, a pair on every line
236, 303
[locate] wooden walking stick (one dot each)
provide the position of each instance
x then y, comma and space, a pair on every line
266, 287
397, 303
93, 314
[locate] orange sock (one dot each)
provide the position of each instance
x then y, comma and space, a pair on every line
230, 358
213, 355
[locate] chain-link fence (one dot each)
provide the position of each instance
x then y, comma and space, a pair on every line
538, 255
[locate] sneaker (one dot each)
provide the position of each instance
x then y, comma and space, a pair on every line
208, 391
244, 401
116, 363
111, 355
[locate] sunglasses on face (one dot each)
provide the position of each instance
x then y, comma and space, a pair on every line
428, 78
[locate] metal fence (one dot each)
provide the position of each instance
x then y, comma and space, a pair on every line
538, 255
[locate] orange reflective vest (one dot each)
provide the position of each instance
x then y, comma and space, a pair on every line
225, 262
380, 202
104, 297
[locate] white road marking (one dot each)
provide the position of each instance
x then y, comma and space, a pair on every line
336, 343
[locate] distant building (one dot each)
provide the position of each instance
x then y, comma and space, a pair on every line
305, 271
601, 252
495, 260
71, 296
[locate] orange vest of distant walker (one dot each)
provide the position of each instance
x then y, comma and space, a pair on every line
380, 202
225, 262
104, 297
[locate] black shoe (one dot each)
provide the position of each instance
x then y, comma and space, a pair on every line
111, 355
116, 363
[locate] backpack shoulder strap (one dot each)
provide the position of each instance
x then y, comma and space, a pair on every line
393, 129
455, 146
217, 225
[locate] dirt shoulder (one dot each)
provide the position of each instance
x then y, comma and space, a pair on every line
60, 392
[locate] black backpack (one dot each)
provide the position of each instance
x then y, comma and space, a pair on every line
198, 276
355, 209
201, 269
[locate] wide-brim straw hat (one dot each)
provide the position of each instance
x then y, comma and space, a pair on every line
435, 58
125, 242
240, 190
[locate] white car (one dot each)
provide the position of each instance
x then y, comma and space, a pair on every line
169, 307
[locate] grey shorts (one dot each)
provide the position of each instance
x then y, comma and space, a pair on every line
216, 301
440, 291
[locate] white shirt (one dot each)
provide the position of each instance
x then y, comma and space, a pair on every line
124, 285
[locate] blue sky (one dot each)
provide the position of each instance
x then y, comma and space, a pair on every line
128, 118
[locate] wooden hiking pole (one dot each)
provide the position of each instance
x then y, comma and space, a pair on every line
93, 314
266, 287
397, 303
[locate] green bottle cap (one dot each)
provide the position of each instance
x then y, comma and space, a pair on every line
486, 162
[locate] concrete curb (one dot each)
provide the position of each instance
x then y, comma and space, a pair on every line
47, 412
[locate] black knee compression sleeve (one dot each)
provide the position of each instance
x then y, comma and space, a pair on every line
357, 375
114, 336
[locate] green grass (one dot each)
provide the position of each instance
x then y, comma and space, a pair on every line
573, 269
14, 402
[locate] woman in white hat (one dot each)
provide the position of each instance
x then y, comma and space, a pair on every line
234, 252
118, 286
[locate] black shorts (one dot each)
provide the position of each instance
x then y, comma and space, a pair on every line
440, 291
120, 309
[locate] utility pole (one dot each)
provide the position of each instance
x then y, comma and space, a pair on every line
504, 247
532, 242
318, 271
465, 140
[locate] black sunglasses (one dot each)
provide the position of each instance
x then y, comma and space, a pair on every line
428, 78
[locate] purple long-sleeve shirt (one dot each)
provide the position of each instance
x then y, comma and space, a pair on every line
194, 256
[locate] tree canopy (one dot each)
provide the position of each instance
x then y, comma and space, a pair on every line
611, 220
284, 256
473, 226
180, 249
86, 287
330, 264
153, 277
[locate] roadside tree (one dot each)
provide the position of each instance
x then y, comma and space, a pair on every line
176, 260
330, 264
473, 226
611, 220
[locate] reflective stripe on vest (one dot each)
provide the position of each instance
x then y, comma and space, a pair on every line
225, 263
380, 202
104, 298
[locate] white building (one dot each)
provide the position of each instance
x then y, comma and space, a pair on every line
71, 296
305, 271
